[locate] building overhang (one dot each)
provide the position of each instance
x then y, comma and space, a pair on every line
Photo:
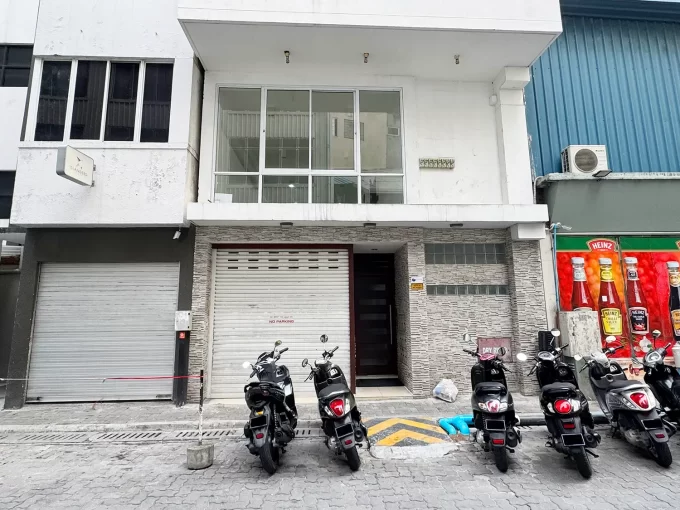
356, 215
229, 38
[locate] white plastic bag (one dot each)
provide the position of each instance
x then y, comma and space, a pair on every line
446, 390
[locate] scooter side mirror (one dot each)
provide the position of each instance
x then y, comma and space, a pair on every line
578, 357
610, 339
656, 334
502, 351
522, 357
323, 338
555, 332
246, 365
305, 362
277, 343
467, 338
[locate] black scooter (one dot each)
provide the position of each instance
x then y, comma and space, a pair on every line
273, 415
340, 418
493, 410
664, 381
565, 407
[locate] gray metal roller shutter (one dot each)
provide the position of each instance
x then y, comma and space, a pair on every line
94, 321
263, 296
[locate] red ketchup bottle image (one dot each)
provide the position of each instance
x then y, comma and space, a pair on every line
580, 295
638, 313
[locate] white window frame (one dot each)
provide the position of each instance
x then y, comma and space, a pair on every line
35, 86
309, 172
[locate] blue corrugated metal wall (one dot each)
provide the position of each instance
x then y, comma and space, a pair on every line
611, 82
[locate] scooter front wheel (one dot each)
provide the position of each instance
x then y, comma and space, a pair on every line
582, 462
662, 454
501, 457
353, 458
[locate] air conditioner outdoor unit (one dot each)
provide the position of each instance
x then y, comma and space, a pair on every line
584, 159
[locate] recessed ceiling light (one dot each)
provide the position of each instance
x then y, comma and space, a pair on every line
455, 225
370, 224
291, 185
286, 223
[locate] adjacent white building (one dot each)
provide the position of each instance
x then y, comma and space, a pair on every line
364, 172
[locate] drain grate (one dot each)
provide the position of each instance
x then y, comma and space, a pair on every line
308, 433
210, 434
129, 436
64, 437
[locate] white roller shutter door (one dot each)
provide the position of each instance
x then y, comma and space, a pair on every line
94, 321
290, 295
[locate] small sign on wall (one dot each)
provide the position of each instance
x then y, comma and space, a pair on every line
75, 166
437, 163
417, 283
492, 345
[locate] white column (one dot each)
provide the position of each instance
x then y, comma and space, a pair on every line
511, 134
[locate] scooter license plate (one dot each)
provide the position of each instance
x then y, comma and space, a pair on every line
652, 424
495, 425
345, 430
573, 440
258, 421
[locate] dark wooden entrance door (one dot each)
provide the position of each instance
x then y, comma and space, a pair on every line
375, 315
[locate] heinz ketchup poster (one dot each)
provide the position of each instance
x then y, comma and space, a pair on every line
632, 282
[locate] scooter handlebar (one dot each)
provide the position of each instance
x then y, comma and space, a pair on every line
472, 353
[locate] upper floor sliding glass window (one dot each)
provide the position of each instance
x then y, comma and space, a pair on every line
104, 100
304, 145
15, 65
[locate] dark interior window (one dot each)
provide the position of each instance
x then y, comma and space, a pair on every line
52, 101
15, 65
6, 191
156, 108
89, 100
122, 102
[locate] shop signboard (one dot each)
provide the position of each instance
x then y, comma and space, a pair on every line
633, 283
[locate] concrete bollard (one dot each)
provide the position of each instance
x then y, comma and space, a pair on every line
200, 456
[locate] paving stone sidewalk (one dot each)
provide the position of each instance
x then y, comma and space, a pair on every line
154, 476
164, 415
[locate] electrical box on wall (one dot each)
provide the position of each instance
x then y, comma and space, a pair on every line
183, 320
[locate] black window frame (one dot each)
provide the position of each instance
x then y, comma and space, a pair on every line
4, 64
162, 131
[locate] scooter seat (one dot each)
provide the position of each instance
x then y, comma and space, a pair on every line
623, 384
490, 388
558, 389
331, 390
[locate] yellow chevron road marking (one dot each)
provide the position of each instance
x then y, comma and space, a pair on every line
402, 434
384, 425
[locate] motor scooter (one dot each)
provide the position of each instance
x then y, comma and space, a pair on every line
340, 417
664, 381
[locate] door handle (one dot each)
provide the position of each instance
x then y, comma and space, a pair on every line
391, 337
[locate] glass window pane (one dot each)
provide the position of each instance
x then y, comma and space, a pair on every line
86, 121
52, 102
285, 189
6, 192
380, 115
382, 190
287, 141
19, 56
237, 189
12, 77
156, 107
122, 102
332, 149
238, 132
334, 190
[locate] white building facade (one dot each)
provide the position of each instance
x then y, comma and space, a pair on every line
364, 172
